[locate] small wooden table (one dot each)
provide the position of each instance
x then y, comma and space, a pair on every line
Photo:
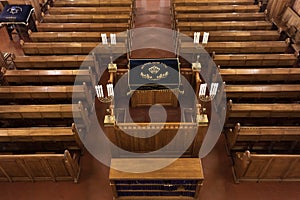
180, 180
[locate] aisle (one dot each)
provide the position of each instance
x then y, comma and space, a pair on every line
155, 14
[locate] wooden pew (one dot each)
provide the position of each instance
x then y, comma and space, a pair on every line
85, 18
93, 3
257, 60
92, 27
58, 138
198, 17
279, 91
225, 36
54, 62
217, 9
236, 47
50, 76
229, 25
211, 2
70, 48
261, 75
79, 92
40, 167
90, 10
264, 138
73, 36
261, 110
45, 113
266, 167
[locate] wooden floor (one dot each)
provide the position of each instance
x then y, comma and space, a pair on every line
94, 185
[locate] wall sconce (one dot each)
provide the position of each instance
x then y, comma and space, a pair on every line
212, 93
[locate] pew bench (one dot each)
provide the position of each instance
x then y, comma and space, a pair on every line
263, 138
225, 36
37, 139
40, 115
236, 47
93, 3
90, 10
261, 75
40, 167
21, 77
257, 60
77, 92
221, 25
279, 91
70, 48
54, 62
266, 167
85, 18
262, 110
217, 9
74, 36
211, 2
90, 27
198, 17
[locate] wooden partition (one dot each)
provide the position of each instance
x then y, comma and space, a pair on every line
264, 138
276, 91
123, 134
40, 167
74, 36
211, 2
45, 113
256, 60
21, 77
266, 167
236, 47
224, 36
90, 10
260, 75
93, 3
40, 139
54, 62
51, 93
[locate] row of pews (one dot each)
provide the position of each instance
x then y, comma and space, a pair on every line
46, 101
261, 81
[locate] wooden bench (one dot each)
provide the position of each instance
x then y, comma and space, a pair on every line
50, 76
70, 48
37, 139
261, 110
257, 60
54, 62
45, 113
264, 138
219, 36
217, 9
76, 92
211, 2
262, 114
229, 25
236, 47
261, 75
93, 3
73, 36
279, 91
40, 167
85, 18
198, 17
90, 10
90, 27
266, 167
